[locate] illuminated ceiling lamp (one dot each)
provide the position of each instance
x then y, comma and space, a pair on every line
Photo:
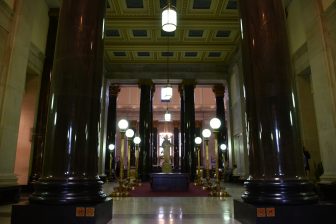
166, 93
169, 18
167, 115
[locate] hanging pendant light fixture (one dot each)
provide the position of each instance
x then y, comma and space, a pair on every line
166, 93
167, 115
169, 18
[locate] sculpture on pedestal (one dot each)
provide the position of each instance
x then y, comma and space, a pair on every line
166, 165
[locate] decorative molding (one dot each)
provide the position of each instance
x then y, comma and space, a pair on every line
301, 64
208, 47
35, 59
6, 15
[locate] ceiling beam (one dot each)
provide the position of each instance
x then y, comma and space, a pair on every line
150, 22
128, 46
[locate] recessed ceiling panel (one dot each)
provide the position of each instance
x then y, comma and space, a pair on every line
204, 27
202, 4
134, 4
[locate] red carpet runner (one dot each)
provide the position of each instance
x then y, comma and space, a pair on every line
145, 191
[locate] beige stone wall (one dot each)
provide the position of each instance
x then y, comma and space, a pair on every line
238, 142
24, 142
319, 51
303, 80
31, 93
296, 31
40, 26
10, 3
14, 55
327, 3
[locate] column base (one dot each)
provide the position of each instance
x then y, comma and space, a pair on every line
9, 194
103, 178
99, 213
327, 191
275, 214
279, 192
67, 192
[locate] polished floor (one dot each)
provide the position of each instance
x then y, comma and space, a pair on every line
166, 210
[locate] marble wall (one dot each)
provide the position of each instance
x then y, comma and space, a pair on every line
15, 49
238, 141
32, 86
318, 37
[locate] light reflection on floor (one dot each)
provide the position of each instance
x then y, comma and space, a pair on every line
165, 210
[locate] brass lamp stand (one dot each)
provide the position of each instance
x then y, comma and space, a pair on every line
207, 182
217, 190
137, 141
111, 148
198, 182
129, 135
121, 190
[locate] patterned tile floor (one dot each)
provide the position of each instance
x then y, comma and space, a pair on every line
166, 210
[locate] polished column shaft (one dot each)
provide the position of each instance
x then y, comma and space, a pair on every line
275, 152
136, 162
219, 91
129, 142
154, 145
189, 128
216, 157
176, 149
42, 111
183, 167
111, 128
207, 162
145, 129
70, 168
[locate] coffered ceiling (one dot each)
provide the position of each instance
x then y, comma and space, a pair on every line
207, 32
207, 35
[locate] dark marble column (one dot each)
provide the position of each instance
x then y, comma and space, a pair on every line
111, 129
145, 129
42, 111
154, 145
275, 151
182, 158
189, 128
176, 147
219, 91
70, 167
134, 125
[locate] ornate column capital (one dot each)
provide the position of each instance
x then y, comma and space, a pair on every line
147, 82
176, 124
114, 90
189, 82
54, 12
219, 90
155, 124
198, 124
180, 89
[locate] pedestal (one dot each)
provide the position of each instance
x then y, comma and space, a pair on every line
9, 194
169, 181
269, 214
100, 213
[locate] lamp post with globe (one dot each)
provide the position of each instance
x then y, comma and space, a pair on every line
198, 141
111, 148
215, 124
223, 147
137, 141
206, 133
129, 135
121, 190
